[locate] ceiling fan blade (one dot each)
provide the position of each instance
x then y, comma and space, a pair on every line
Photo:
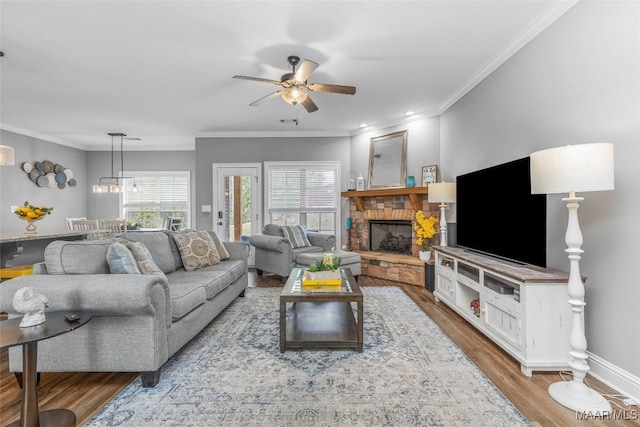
322, 87
309, 105
258, 79
265, 98
304, 70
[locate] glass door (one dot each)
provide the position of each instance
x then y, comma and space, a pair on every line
237, 202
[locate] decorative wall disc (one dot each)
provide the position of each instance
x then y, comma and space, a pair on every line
34, 174
48, 166
61, 177
49, 174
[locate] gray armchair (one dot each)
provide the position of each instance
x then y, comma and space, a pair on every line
275, 254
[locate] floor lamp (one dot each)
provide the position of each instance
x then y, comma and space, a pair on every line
443, 193
571, 169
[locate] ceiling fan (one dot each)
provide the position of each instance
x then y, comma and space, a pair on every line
295, 88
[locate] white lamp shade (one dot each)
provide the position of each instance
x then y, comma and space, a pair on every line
442, 192
7, 157
572, 168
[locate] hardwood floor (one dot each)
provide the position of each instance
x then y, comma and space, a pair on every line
86, 393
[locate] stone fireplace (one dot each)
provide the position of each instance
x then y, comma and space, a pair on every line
389, 208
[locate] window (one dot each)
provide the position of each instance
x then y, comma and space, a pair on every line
303, 193
160, 195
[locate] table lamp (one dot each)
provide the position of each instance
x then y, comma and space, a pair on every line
571, 169
443, 193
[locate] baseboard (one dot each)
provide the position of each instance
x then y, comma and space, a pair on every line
619, 379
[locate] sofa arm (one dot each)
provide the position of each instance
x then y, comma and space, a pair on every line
237, 250
270, 243
324, 240
100, 294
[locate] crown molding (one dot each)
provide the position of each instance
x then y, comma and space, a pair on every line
535, 27
273, 134
47, 138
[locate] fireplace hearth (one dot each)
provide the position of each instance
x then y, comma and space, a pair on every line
390, 236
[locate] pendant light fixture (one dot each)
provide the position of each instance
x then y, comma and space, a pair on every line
114, 184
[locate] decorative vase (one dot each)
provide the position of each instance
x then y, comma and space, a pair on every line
425, 255
411, 182
31, 228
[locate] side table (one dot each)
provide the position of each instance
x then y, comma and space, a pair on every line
13, 335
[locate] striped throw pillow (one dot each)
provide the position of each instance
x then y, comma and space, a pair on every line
297, 235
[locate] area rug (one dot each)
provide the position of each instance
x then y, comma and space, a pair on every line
233, 374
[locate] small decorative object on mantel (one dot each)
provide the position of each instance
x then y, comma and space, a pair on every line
351, 183
425, 230
323, 272
31, 214
429, 175
360, 183
411, 181
32, 303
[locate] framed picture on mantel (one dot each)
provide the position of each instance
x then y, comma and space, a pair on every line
429, 174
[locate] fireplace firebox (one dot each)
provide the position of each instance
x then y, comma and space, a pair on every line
391, 236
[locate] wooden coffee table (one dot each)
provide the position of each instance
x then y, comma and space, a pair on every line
321, 317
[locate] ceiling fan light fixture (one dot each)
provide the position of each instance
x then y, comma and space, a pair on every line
294, 95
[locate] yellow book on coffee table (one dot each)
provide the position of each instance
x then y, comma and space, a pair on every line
321, 278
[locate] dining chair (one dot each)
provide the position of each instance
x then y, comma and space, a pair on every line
112, 227
90, 225
174, 224
69, 221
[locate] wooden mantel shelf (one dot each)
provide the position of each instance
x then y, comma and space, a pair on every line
415, 195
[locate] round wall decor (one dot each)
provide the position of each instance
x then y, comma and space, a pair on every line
46, 174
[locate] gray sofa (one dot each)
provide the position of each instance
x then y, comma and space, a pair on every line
275, 254
138, 320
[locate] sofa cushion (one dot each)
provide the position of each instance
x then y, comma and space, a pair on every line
121, 260
77, 256
222, 251
144, 259
185, 297
297, 235
177, 258
197, 249
304, 250
273, 230
234, 267
213, 281
158, 245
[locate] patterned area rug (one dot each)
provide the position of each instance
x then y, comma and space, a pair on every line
233, 374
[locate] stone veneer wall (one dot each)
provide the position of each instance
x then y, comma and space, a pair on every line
399, 268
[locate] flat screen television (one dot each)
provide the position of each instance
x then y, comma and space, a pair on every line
498, 216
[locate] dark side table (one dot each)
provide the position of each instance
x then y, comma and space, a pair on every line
13, 335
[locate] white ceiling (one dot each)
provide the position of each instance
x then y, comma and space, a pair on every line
162, 70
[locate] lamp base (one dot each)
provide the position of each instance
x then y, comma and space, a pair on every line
577, 396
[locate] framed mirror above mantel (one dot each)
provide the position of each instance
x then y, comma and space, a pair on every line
388, 161
415, 195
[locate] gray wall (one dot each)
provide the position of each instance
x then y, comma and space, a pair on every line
260, 150
16, 187
99, 164
577, 82
423, 146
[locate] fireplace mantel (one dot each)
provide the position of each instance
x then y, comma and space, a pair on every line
415, 195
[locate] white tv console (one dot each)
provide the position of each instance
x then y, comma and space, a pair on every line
523, 309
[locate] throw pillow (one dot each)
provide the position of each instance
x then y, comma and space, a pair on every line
297, 235
143, 258
197, 249
222, 250
121, 260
